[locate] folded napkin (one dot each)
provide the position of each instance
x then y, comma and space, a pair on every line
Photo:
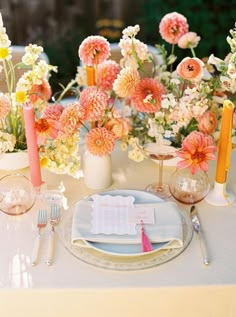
167, 227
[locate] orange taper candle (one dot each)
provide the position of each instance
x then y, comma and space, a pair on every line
224, 145
90, 72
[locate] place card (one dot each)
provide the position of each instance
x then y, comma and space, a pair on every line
118, 215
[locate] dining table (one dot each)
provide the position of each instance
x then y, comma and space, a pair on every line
183, 286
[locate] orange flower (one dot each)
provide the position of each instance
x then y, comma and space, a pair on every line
40, 92
107, 73
45, 128
125, 83
207, 122
100, 141
94, 101
71, 119
190, 68
172, 27
119, 127
197, 148
147, 95
94, 50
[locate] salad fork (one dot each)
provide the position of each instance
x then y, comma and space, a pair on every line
41, 223
54, 220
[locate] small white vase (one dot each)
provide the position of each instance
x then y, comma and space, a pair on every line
14, 160
97, 170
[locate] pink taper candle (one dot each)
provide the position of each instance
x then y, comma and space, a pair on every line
32, 147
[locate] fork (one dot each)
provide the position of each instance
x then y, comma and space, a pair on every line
54, 221
41, 223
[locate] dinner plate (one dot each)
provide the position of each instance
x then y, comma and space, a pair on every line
112, 257
128, 250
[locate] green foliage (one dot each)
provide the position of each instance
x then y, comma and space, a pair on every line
211, 19
63, 52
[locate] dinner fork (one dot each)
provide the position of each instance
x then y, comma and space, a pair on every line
41, 223
54, 220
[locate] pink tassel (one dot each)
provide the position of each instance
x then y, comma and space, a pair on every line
146, 244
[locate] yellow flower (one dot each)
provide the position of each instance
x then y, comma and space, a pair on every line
4, 52
44, 161
21, 97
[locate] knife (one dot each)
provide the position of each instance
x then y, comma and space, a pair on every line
197, 228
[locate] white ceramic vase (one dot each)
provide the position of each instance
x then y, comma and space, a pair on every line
97, 170
14, 160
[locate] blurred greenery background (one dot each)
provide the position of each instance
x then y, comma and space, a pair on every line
61, 25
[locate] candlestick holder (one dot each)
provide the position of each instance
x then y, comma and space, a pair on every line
219, 196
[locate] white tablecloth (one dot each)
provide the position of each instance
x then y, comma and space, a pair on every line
70, 287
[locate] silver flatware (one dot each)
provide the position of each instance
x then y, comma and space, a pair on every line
197, 228
54, 221
41, 223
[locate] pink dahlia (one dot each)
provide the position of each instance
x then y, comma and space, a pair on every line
94, 50
107, 73
71, 119
40, 92
190, 68
5, 106
147, 95
94, 101
100, 141
197, 148
53, 112
126, 81
172, 27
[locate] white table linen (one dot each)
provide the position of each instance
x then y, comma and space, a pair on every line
73, 288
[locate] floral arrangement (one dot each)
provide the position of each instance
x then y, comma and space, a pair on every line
179, 103
93, 110
32, 87
178, 106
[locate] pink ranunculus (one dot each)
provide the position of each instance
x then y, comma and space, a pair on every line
107, 73
172, 26
94, 50
147, 95
207, 122
197, 148
119, 126
188, 40
190, 68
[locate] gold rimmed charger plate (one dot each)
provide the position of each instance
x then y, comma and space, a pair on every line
109, 256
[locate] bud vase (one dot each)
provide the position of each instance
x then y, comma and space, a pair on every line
97, 170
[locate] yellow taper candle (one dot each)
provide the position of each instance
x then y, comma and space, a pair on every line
224, 145
90, 72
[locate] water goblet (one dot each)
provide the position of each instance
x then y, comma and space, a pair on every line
159, 153
17, 194
188, 188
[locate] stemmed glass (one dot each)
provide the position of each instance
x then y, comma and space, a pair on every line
188, 188
160, 153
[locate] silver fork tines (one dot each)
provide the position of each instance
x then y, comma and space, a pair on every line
54, 220
41, 223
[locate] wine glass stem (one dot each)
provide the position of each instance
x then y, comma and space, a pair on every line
160, 176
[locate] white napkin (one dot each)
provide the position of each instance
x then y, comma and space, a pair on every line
167, 228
